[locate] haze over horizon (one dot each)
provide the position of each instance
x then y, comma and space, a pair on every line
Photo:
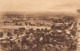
39, 5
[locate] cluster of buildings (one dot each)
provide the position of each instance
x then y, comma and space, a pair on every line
14, 29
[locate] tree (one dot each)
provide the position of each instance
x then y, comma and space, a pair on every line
9, 34
1, 34
31, 30
16, 31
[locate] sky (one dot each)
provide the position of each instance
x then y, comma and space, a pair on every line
39, 5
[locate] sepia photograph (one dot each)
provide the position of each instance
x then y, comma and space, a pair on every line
39, 25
